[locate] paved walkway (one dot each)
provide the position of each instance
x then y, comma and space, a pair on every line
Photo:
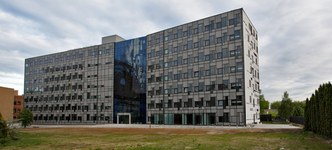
258, 126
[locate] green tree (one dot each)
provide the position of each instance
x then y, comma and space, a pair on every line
3, 126
318, 111
275, 105
264, 104
26, 117
299, 104
286, 108
298, 111
6, 131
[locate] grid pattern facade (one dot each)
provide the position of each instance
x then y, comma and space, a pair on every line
201, 73
71, 87
197, 73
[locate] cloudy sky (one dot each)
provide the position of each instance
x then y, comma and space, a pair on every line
295, 41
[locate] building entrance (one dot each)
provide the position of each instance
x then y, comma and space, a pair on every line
123, 118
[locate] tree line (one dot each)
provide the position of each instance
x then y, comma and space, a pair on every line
318, 111
286, 107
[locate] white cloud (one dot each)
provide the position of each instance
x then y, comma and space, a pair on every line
12, 80
294, 36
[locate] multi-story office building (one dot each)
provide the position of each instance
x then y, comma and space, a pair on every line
203, 72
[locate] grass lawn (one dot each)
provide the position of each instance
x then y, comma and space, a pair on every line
111, 138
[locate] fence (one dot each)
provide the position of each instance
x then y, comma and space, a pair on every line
297, 119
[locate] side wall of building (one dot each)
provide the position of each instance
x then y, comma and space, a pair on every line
7, 102
250, 43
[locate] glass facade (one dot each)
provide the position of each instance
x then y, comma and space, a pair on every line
200, 73
130, 80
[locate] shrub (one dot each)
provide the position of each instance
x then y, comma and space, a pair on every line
26, 117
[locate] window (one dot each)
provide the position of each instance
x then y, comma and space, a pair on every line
175, 63
190, 102
237, 101
150, 93
218, 24
208, 87
198, 103
196, 89
207, 28
185, 46
166, 64
224, 38
207, 42
219, 39
201, 86
175, 77
185, 75
196, 73
238, 51
220, 70
207, 72
185, 89
207, 57
185, 33
195, 44
223, 21
225, 52
237, 34
165, 51
224, 85
219, 55
232, 21
224, 118
166, 77
212, 70
226, 69
175, 90
213, 85
239, 83
150, 67
233, 85
213, 101
196, 59
185, 61
158, 79
231, 37
232, 53
166, 91
232, 69
220, 103
175, 49
239, 66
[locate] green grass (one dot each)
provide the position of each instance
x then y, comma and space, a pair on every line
162, 139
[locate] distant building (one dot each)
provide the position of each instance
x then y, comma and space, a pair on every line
8, 99
18, 106
199, 73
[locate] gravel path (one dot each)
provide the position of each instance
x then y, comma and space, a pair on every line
257, 126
